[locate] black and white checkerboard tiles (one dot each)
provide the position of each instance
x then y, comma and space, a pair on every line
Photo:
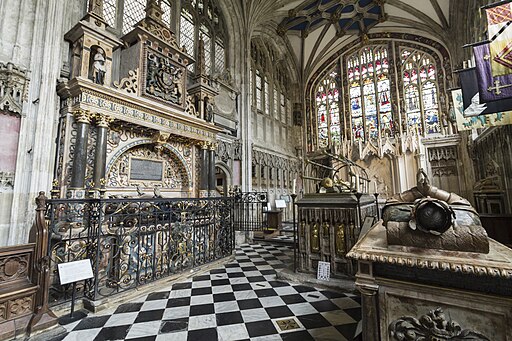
240, 301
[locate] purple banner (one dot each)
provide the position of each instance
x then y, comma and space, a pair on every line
490, 88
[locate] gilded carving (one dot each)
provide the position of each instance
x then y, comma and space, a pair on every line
340, 240
315, 238
431, 326
129, 84
175, 174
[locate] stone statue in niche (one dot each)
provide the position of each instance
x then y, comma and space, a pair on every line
98, 66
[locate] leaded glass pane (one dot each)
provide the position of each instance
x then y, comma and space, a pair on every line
166, 15
267, 97
283, 108
328, 113
206, 36
219, 56
133, 13
109, 12
187, 35
420, 92
258, 90
276, 103
369, 91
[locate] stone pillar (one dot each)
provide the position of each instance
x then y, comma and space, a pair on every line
83, 121
203, 185
370, 311
211, 169
100, 157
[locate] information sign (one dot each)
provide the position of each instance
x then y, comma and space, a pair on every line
75, 271
324, 271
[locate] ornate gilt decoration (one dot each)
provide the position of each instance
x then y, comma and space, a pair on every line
431, 326
340, 240
129, 84
103, 120
83, 116
164, 79
175, 173
190, 108
315, 238
14, 83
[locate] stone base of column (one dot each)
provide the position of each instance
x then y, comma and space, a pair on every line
79, 193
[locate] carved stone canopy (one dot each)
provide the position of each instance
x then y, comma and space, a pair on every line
13, 88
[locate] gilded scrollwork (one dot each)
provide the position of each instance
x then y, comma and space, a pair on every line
129, 84
175, 174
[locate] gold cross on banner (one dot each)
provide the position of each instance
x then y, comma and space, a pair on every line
497, 87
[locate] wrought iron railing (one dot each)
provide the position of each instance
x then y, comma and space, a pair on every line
132, 242
248, 211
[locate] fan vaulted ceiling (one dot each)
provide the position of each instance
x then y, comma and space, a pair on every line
328, 26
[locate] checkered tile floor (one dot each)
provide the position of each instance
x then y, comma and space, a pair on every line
240, 301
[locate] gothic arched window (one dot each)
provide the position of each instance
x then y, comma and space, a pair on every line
419, 75
328, 112
369, 92
200, 19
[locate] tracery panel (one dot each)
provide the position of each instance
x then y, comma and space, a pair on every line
328, 113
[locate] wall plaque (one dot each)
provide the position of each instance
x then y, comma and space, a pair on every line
141, 169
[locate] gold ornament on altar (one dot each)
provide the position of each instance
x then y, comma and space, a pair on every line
340, 240
315, 240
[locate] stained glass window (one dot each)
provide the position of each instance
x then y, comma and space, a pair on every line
420, 92
133, 13
369, 92
328, 113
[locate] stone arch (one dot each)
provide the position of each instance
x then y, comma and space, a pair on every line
176, 175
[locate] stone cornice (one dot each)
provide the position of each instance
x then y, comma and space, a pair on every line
83, 94
373, 247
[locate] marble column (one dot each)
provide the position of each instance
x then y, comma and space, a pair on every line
211, 169
100, 158
203, 185
83, 122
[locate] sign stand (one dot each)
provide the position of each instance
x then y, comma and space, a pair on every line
73, 272
73, 316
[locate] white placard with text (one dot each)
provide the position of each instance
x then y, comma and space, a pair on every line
75, 271
280, 203
324, 271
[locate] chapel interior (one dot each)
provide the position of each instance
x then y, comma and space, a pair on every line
255, 170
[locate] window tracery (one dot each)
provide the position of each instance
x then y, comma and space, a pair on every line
371, 98
200, 19
328, 113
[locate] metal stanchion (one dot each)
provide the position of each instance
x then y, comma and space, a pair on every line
294, 196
